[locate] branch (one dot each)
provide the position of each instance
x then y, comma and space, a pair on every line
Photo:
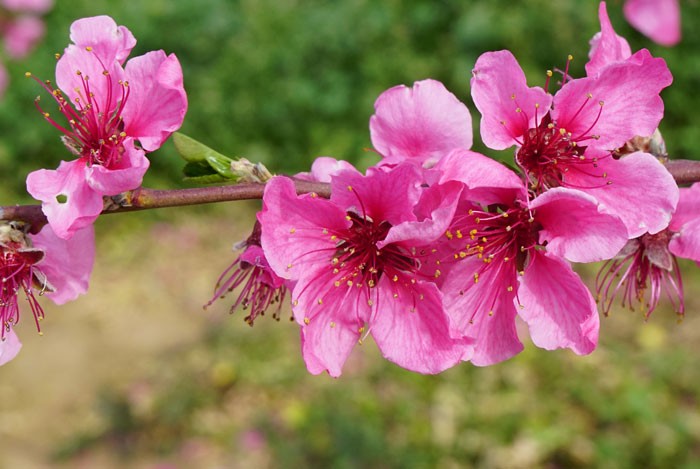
684, 171
144, 199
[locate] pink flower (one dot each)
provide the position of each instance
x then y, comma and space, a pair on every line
504, 256
647, 266
568, 140
355, 259
660, 20
40, 263
260, 287
21, 26
115, 107
419, 124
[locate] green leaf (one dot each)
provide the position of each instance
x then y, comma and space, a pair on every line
201, 172
192, 150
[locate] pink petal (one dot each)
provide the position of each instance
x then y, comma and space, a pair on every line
9, 348
688, 208
508, 107
323, 168
67, 263
436, 209
483, 311
420, 123
80, 73
327, 342
82, 205
22, 34
660, 20
641, 191
297, 231
575, 227
108, 41
487, 180
33, 6
631, 105
412, 330
127, 175
557, 306
606, 46
157, 100
686, 243
367, 195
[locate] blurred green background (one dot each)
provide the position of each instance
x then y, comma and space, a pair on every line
140, 376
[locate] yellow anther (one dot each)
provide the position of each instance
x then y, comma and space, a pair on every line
549, 73
336, 283
289, 266
28, 74
448, 234
370, 283
307, 321
459, 234
395, 278
349, 188
510, 288
293, 230
320, 301
490, 313
570, 57
396, 295
601, 102
437, 273
370, 302
333, 237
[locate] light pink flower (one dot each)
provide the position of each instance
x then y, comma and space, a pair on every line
647, 267
660, 20
29, 6
22, 34
505, 255
260, 287
355, 259
419, 124
42, 263
323, 168
115, 107
568, 140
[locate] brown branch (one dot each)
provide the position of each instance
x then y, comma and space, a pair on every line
684, 171
144, 199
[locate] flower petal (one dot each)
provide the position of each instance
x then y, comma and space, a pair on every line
9, 348
420, 123
412, 330
124, 176
157, 100
326, 343
109, 41
641, 191
686, 243
606, 46
297, 231
557, 306
67, 263
81, 206
575, 227
621, 102
508, 107
367, 195
660, 20
688, 208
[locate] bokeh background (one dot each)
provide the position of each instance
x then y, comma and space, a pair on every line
138, 374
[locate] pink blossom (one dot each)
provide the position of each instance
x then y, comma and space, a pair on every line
355, 260
323, 168
29, 6
260, 287
42, 263
115, 107
419, 124
504, 255
22, 34
660, 20
569, 139
647, 266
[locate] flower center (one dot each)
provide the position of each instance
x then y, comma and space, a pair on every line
95, 127
18, 271
641, 272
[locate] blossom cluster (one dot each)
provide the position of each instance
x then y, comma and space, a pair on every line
436, 249
113, 113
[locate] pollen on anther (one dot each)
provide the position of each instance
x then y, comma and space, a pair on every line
437, 273
510, 288
307, 321
289, 266
549, 73
336, 283
293, 230
395, 278
320, 301
370, 302
332, 324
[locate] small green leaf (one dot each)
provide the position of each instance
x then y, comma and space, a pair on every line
202, 173
192, 150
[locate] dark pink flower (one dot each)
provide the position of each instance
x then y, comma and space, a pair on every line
419, 124
568, 140
505, 255
606, 46
355, 259
108, 108
660, 20
259, 287
647, 267
39, 264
